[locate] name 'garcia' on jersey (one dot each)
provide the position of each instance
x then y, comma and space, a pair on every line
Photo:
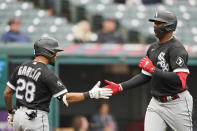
29, 72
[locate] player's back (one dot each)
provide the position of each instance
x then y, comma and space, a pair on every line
30, 84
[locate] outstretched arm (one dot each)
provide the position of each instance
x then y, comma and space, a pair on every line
135, 81
74, 97
132, 83
95, 93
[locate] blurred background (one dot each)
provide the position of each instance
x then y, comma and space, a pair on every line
102, 39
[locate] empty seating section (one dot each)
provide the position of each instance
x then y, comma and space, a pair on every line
34, 22
131, 19
135, 18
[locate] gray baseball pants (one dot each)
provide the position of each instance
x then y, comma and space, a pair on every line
175, 113
21, 122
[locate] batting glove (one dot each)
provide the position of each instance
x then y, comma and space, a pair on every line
113, 86
97, 92
11, 117
146, 64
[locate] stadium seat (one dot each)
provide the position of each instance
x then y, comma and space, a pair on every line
130, 18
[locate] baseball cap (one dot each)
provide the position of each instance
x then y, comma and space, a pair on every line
14, 21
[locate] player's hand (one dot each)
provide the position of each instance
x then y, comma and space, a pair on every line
146, 64
11, 117
113, 86
97, 92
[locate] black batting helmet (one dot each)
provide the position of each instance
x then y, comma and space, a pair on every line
168, 18
47, 46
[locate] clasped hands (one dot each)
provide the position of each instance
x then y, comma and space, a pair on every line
145, 64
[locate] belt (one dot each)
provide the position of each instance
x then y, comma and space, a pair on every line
166, 98
26, 108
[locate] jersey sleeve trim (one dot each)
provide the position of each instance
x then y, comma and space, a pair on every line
182, 77
60, 93
146, 73
11, 86
181, 70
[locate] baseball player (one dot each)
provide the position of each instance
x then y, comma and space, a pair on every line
34, 84
165, 66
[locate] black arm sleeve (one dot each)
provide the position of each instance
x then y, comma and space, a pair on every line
135, 81
171, 77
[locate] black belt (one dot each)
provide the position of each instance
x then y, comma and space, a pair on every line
32, 113
166, 98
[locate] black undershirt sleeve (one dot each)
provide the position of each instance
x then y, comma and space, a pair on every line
135, 81
171, 77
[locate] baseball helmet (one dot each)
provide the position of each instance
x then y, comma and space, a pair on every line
168, 18
46, 46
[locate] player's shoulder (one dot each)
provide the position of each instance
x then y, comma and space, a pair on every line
49, 73
24, 64
176, 43
44, 68
37, 66
153, 45
27, 63
176, 47
34, 65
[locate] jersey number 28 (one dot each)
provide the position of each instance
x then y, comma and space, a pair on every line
28, 88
